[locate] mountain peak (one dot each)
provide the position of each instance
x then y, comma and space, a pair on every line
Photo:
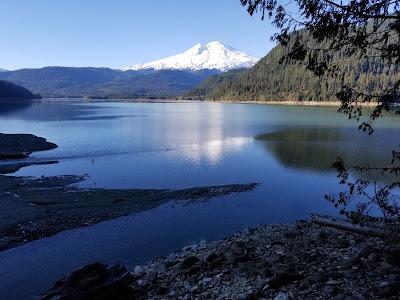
213, 55
215, 43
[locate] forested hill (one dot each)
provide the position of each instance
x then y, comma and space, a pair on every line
213, 82
9, 90
106, 83
269, 80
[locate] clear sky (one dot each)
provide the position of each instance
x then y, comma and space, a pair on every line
118, 33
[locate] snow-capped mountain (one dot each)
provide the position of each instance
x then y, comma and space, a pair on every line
214, 55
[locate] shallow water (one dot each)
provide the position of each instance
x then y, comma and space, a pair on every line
176, 145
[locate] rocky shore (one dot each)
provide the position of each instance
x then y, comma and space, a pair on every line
301, 260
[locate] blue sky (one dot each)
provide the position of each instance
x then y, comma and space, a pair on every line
117, 33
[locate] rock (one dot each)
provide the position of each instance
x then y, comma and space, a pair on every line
315, 278
189, 248
138, 270
342, 243
366, 251
278, 243
170, 263
392, 290
282, 296
282, 279
213, 256
280, 268
331, 290
249, 230
206, 280
332, 282
393, 256
243, 296
274, 258
240, 259
323, 235
95, 281
194, 289
192, 270
342, 296
383, 284
290, 234
189, 262
238, 247
372, 257
162, 290
160, 268
216, 260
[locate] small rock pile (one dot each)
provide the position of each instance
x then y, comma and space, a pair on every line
293, 261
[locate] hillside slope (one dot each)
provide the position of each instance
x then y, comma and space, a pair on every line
269, 80
9, 90
206, 88
106, 83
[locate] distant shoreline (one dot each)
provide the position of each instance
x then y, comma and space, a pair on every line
291, 103
165, 100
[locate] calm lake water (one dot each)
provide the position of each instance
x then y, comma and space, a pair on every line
179, 145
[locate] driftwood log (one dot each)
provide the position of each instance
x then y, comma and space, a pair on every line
348, 226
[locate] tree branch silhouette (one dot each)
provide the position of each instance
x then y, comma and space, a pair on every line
362, 29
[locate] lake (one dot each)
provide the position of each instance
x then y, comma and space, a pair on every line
179, 145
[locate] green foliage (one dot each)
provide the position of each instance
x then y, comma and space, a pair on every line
211, 83
353, 45
272, 79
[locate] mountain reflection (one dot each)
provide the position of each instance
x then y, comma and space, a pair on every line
10, 107
315, 149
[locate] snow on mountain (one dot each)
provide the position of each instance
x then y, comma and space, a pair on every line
3, 70
214, 55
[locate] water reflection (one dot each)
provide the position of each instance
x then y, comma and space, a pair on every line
179, 146
198, 132
315, 149
44, 110
213, 150
11, 107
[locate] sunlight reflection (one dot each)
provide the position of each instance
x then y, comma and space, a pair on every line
213, 150
201, 134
